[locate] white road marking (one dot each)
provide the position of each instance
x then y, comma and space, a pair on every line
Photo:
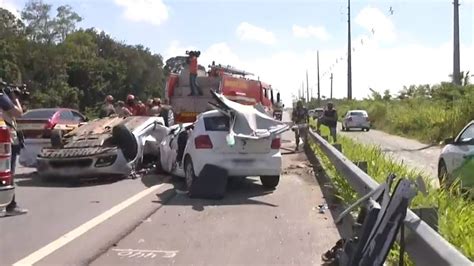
80, 230
144, 253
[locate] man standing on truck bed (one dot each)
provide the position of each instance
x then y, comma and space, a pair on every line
193, 68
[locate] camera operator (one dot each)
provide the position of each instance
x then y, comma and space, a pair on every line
11, 108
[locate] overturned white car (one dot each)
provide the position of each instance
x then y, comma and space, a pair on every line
104, 147
237, 138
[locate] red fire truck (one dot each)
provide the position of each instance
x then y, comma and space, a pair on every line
223, 79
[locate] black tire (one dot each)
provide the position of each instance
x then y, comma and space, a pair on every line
367, 129
189, 175
56, 139
125, 140
270, 181
442, 174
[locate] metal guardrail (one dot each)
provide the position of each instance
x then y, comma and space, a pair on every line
423, 244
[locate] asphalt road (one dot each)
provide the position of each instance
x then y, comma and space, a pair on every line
97, 222
411, 152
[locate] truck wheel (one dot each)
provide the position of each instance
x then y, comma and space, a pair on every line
125, 140
57, 139
270, 182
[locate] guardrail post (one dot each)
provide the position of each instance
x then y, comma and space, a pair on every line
429, 216
363, 166
337, 146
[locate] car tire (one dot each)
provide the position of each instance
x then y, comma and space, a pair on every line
367, 129
56, 139
270, 182
126, 141
189, 174
442, 174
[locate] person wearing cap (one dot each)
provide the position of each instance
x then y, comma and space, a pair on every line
108, 109
329, 119
131, 105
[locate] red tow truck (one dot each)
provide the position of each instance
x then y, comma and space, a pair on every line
222, 79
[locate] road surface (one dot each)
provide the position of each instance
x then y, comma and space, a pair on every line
99, 222
411, 152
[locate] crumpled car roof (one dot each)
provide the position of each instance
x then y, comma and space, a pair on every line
246, 121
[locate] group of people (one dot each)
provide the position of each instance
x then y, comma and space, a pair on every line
328, 118
134, 107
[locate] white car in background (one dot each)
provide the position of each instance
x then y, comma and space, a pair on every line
238, 138
455, 156
356, 119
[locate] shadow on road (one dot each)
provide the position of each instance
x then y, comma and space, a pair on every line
239, 192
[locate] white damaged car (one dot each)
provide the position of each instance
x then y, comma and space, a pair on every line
116, 146
238, 138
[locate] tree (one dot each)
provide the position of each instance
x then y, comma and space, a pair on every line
65, 22
40, 26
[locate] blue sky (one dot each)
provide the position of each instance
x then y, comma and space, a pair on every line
278, 39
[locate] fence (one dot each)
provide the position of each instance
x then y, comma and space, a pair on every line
423, 244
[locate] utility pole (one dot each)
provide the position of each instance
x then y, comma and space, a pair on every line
307, 87
349, 52
319, 87
456, 58
302, 89
331, 86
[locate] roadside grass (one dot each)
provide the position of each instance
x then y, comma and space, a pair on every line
455, 211
429, 120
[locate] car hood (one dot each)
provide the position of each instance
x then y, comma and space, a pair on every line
246, 121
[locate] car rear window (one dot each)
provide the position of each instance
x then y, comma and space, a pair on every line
358, 114
216, 123
39, 114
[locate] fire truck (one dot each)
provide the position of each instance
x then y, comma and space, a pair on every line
231, 82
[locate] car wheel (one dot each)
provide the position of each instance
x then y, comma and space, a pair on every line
57, 139
270, 181
189, 174
367, 129
126, 141
442, 174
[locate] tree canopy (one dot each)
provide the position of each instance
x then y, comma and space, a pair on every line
69, 67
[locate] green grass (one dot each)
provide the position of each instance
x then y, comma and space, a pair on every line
429, 120
456, 212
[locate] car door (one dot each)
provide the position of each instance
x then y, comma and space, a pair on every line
462, 148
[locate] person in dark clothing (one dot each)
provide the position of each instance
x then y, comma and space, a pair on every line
329, 119
108, 109
299, 116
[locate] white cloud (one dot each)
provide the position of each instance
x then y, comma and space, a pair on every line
154, 12
248, 32
311, 31
373, 65
372, 19
10, 6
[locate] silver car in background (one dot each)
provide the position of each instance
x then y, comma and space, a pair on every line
356, 119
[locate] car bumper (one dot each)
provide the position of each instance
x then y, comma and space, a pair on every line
242, 164
82, 167
31, 150
6, 195
357, 124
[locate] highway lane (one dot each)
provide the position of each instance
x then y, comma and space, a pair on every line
56, 208
250, 226
413, 153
